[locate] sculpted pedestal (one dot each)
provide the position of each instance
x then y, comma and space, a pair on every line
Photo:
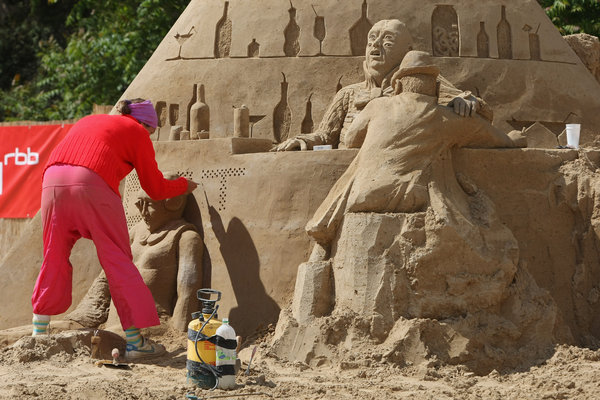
410, 288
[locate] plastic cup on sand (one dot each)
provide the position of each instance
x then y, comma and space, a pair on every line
573, 131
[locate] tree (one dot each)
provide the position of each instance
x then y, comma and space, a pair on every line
22, 26
59, 57
574, 16
109, 42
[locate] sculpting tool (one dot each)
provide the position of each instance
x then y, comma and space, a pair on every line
250, 362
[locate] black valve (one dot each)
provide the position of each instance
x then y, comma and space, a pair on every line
208, 305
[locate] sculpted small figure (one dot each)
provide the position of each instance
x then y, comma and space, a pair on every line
388, 42
167, 251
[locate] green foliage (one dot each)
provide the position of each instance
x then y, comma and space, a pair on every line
574, 16
22, 26
110, 41
59, 57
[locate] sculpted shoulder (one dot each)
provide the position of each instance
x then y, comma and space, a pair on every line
352, 88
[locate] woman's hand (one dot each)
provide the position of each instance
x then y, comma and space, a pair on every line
191, 186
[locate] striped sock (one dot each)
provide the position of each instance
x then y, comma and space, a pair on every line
134, 338
40, 324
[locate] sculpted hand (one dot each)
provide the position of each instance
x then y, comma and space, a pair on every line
290, 144
518, 138
464, 107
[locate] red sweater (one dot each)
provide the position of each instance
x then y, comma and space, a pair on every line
111, 146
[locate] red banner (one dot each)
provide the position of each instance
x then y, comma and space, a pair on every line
24, 151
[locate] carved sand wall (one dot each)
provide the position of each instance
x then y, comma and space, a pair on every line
252, 208
254, 245
496, 49
552, 215
587, 47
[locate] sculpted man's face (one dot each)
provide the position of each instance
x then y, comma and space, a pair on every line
388, 42
153, 212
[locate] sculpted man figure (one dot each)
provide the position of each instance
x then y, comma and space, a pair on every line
404, 160
419, 258
168, 253
388, 42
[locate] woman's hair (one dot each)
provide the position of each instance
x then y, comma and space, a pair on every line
123, 105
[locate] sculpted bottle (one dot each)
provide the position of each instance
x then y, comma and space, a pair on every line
358, 32
223, 35
483, 42
199, 114
291, 46
282, 115
504, 37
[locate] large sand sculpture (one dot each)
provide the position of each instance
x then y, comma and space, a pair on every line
285, 62
419, 263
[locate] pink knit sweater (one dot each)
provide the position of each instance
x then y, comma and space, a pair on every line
111, 146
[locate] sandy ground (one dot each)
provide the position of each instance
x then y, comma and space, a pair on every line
45, 369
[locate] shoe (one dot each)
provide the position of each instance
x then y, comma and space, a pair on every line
148, 349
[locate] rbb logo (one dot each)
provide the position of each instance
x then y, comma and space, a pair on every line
19, 159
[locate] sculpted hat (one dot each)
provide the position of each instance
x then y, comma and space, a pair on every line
416, 62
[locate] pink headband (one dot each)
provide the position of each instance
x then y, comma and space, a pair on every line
144, 113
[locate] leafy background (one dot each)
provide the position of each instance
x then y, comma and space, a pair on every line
59, 57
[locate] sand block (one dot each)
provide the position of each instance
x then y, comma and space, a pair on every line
312, 295
538, 136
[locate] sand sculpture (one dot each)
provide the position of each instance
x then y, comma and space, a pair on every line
287, 66
492, 49
388, 42
168, 253
402, 146
418, 252
587, 48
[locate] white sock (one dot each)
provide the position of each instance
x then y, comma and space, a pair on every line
40, 324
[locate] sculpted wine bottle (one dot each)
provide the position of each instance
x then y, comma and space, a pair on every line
199, 113
282, 114
504, 37
223, 34
358, 32
483, 42
291, 46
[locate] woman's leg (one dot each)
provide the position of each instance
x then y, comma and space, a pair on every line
52, 291
76, 202
106, 225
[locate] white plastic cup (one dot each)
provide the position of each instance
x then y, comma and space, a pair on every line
573, 131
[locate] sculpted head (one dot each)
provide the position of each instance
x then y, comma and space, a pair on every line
156, 213
388, 42
417, 74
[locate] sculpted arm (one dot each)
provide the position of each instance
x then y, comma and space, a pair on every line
329, 129
355, 136
493, 137
479, 133
463, 103
189, 278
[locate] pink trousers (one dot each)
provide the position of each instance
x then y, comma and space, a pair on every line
76, 202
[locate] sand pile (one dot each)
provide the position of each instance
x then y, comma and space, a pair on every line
65, 371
